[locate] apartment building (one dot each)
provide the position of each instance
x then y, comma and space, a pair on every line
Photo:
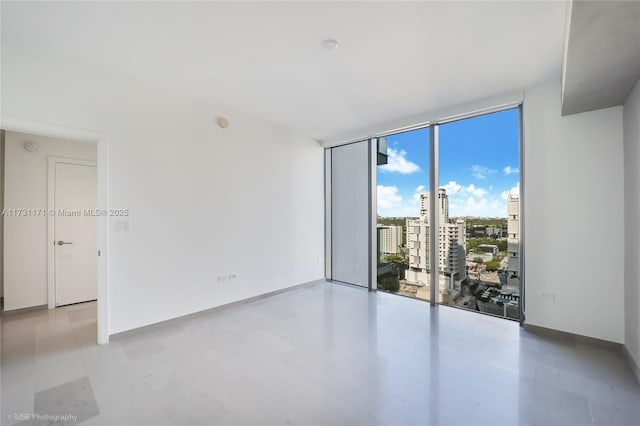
513, 241
451, 245
390, 238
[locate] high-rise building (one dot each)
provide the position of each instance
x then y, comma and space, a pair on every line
513, 241
443, 205
390, 239
451, 245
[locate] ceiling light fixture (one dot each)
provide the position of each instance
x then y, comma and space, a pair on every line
330, 44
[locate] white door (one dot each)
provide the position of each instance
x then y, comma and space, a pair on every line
75, 234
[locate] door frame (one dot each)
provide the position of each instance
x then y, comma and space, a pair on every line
51, 221
102, 169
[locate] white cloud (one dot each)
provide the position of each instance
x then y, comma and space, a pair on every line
388, 197
481, 172
471, 200
486, 206
510, 170
398, 163
392, 204
513, 191
475, 192
452, 187
416, 194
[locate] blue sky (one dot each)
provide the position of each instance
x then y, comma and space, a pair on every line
478, 167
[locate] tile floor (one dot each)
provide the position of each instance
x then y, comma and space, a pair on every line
326, 354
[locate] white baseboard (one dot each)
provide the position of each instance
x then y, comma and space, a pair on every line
632, 362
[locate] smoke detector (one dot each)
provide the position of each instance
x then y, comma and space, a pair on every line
330, 44
31, 146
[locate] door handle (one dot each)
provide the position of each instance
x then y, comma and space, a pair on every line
61, 243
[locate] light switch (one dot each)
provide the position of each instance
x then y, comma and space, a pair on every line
123, 225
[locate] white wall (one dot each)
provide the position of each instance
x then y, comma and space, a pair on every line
573, 217
247, 200
25, 238
632, 222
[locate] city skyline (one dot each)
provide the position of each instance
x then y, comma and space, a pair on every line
478, 167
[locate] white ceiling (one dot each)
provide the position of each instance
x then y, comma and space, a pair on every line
602, 58
395, 59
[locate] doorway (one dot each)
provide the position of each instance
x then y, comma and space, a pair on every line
37, 293
72, 247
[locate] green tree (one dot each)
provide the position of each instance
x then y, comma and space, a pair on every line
397, 262
492, 265
398, 221
390, 283
473, 243
484, 222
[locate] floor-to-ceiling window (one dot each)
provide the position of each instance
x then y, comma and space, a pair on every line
401, 229
479, 213
447, 213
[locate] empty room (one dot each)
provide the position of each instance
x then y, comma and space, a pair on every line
320, 213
